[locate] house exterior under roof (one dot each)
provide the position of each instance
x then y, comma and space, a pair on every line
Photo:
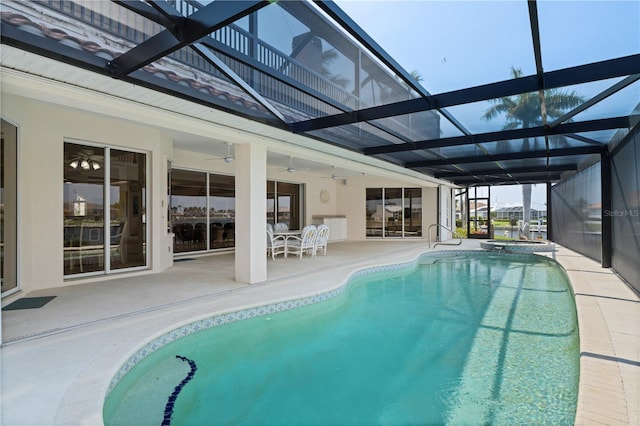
138, 132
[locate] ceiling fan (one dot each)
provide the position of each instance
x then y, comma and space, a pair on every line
335, 176
291, 168
227, 158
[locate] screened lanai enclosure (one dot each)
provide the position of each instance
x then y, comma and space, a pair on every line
566, 118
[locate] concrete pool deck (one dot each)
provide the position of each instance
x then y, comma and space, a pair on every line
61, 358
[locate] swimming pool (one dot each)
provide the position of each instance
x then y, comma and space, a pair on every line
465, 337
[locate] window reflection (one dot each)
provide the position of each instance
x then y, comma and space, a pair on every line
222, 211
194, 227
128, 209
479, 225
85, 211
374, 210
289, 204
203, 215
8, 206
271, 202
188, 210
394, 212
412, 212
284, 204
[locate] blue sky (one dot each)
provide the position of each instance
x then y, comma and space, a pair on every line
457, 44
460, 44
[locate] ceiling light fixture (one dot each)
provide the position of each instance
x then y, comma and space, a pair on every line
84, 162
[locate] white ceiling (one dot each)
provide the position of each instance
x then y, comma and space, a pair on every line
218, 149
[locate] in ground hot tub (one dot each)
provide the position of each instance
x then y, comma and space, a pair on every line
518, 246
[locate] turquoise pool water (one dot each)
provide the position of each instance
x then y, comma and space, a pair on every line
464, 339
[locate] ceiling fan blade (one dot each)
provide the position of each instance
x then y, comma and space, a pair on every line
227, 158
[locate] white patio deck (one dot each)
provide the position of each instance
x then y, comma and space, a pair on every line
58, 360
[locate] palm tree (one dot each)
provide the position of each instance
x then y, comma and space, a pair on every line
524, 110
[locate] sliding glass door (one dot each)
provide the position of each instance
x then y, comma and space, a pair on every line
479, 208
289, 199
222, 211
374, 209
104, 230
412, 212
8, 207
188, 202
203, 211
393, 212
284, 203
128, 206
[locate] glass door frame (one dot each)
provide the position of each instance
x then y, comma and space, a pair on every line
18, 197
385, 214
472, 196
145, 213
106, 230
301, 202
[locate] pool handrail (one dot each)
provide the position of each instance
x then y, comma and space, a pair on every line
443, 243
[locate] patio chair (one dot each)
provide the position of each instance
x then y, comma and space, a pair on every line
321, 240
280, 227
91, 246
117, 232
305, 243
216, 232
275, 245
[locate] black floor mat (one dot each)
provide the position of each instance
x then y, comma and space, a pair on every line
29, 303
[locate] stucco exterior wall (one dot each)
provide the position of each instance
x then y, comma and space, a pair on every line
43, 128
42, 131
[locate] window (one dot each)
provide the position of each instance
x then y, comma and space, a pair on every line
128, 206
393, 212
222, 211
479, 225
87, 219
375, 215
9, 207
203, 211
412, 212
284, 203
188, 210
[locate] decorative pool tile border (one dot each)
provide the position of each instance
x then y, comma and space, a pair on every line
272, 308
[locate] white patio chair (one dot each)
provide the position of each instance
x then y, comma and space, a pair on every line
280, 227
304, 243
275, 245
321, 240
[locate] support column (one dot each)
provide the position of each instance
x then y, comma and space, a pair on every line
251, 213
549, 213
444, 213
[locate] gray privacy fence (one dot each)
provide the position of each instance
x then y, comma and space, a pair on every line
625, 210
577, 211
